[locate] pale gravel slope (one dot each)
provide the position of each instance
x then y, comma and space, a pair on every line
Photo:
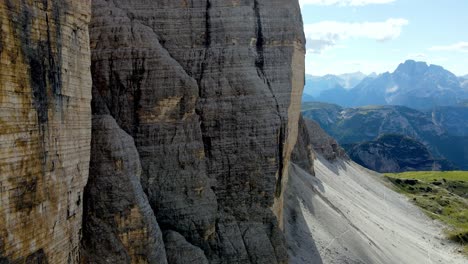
346, 214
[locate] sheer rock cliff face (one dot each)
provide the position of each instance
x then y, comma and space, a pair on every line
45, 128
117, 211
210, 92
195, 112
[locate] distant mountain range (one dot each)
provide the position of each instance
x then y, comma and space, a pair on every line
413, 84
315, 85
443, 130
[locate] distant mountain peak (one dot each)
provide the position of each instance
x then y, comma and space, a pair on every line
412, 67
416, 84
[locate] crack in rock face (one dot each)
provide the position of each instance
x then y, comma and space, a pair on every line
45, 128
209, 106
186, 141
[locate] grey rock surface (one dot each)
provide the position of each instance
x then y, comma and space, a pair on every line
312, 139
303, 154
323, 143
179, 251
118, 224
210, 91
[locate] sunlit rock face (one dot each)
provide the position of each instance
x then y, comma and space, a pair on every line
210, 92
45, 128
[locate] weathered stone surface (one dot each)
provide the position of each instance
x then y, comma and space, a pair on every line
179, 251
323, 143
212, 102
45, 128
303, 154
118, 225
153, 99
313, 139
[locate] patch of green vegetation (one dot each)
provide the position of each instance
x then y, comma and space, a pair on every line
429, 176
372, 107
441, 195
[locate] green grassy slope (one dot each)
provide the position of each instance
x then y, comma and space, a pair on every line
441, 195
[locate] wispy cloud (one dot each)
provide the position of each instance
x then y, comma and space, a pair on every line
417, 56
460, 47
326, 34
320, 66
344, 2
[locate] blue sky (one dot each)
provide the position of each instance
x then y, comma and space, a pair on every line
376, 35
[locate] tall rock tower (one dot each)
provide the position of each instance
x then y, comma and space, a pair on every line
210, 92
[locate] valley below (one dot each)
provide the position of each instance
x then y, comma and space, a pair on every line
396, 138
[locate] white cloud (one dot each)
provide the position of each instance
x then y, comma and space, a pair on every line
460, 47
326, 34
344, 2
417, 56
322, 66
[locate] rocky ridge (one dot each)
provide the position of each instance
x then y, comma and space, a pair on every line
313, 140
442, 130
413, 84
396, 153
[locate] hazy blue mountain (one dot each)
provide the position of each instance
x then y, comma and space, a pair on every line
324, 113
338, 95
316, 85
352, 79
307, 98
453, 119
463, 103
443, 131
464, 84
413, 84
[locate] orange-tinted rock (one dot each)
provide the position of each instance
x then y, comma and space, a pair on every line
45, 128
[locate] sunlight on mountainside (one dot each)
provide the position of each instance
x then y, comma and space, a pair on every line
441, 195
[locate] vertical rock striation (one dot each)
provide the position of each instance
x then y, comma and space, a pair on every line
210, 91
116, 210
45, 128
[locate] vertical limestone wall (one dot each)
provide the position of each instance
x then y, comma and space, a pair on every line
45, 128
210, 92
